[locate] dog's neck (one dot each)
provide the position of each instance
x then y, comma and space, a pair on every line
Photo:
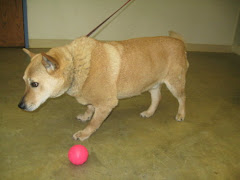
80, 50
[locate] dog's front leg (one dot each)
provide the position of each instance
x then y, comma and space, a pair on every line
87, 115
99, 116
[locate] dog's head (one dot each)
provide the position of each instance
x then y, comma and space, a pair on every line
43, 80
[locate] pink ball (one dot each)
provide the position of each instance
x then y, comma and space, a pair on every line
78, 154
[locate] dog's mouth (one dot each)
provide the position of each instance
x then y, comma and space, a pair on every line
22, 105
30, 108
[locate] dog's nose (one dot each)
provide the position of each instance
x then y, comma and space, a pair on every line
22, 105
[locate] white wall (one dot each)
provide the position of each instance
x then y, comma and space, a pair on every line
199, 21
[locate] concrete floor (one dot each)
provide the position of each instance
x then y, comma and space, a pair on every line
34, 145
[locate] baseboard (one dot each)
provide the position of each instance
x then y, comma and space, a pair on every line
236, 49
49, 43
209, 48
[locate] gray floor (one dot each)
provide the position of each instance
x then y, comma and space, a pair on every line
34, 145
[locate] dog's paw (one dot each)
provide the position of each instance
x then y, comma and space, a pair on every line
80, 135
83, 117
179, 117
145, 114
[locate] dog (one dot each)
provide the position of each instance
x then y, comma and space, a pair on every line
99, 73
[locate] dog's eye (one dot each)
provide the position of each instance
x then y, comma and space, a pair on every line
34, 84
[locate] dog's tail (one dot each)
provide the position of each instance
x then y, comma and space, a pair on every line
176, 35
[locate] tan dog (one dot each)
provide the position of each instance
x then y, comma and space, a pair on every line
99, 73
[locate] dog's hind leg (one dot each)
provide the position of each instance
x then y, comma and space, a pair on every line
155, 99
87, 115
177, 88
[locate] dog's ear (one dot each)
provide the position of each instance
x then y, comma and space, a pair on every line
31, 54
49, 63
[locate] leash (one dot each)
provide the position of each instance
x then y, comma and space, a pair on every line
89, 34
